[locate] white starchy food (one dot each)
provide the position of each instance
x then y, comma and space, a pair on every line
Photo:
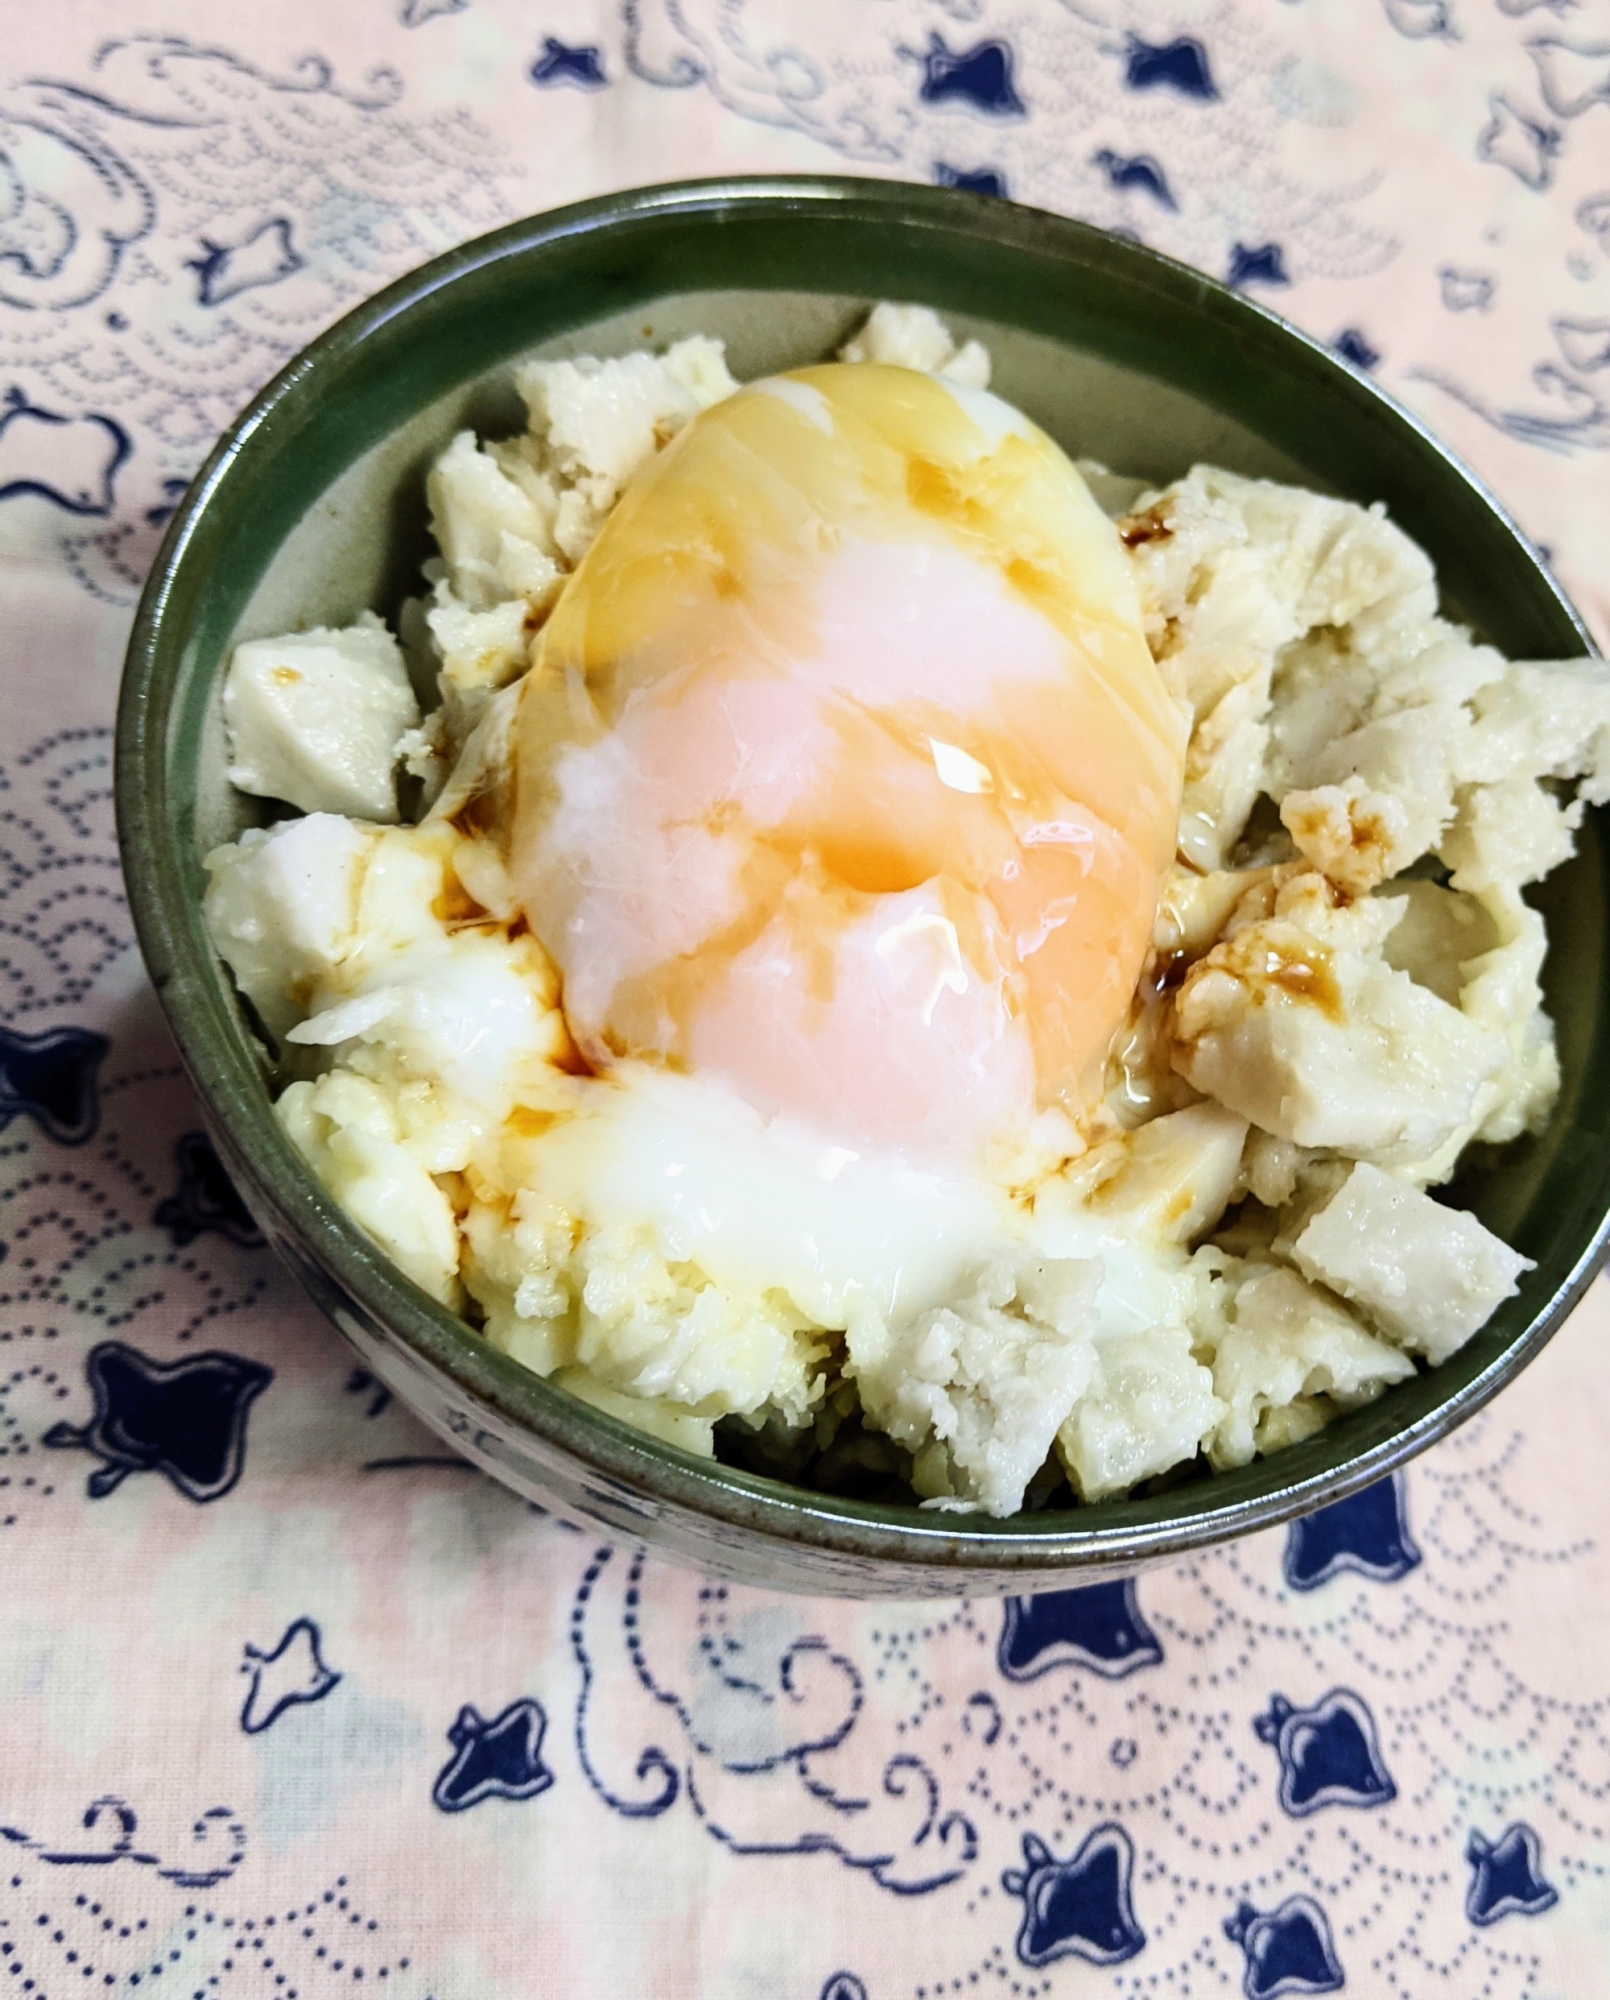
1230, 1250
1296, 1020
906, 336
1150, 1405
601, 420
350, 1132
1286, 1343
316, 719
281, 907
1428, 1276
492, 514
977, 1389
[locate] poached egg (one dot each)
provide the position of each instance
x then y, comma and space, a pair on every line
844, 775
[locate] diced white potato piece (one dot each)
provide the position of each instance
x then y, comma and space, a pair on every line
1428, 1276
598, 421
1272, 1167
347, 1130
1235, 572
479, 649
1438, 935
1548, 719
1507, 834
978, 1388
484, 768
1501, 991
1286, 1343
1296, 1022
902, 336
1406, 758
1354, 836
315, 718
667, 1421
281, 907
1194, 909
1168, 1180
1150, 1407
493, 526
472, 1010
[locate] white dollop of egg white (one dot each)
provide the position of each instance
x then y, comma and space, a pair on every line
761, 1205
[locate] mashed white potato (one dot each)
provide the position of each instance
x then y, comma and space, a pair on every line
1232, 1247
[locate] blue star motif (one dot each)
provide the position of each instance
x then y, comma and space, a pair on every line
1099, 1627
1079, 1908
52, 1077
185, 1419
1328, 1754
206, 1198
581, 67
73, 463
980, 76
1289, 1950
974, 180
843, 1986
1139, 170
501, 1759
225, 270
1257, 264
1367, 1534
1353, 346
1181, 65
1507, 1876
293, 1673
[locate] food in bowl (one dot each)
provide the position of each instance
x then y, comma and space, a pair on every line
882, 966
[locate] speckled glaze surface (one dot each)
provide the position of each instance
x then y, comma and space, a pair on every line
312, 506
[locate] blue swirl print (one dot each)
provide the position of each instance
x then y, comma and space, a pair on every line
133, 241
749, 1737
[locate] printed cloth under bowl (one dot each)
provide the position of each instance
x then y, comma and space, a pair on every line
293, 1703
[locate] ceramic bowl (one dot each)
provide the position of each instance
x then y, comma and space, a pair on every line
312, 507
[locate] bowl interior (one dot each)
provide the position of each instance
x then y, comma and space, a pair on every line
314, 509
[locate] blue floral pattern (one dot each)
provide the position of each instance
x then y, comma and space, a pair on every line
291, 1701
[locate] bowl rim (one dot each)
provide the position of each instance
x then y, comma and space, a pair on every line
192, 991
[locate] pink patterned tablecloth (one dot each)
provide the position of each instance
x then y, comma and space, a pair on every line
291, 1703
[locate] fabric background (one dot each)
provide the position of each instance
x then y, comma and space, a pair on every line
292, 1703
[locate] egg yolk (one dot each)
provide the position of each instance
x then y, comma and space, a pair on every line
844, 773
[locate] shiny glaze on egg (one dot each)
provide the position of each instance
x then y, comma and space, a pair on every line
844, 772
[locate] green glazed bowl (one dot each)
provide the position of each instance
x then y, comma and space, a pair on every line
312, 507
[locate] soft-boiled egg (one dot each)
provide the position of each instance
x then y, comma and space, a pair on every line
845, 777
